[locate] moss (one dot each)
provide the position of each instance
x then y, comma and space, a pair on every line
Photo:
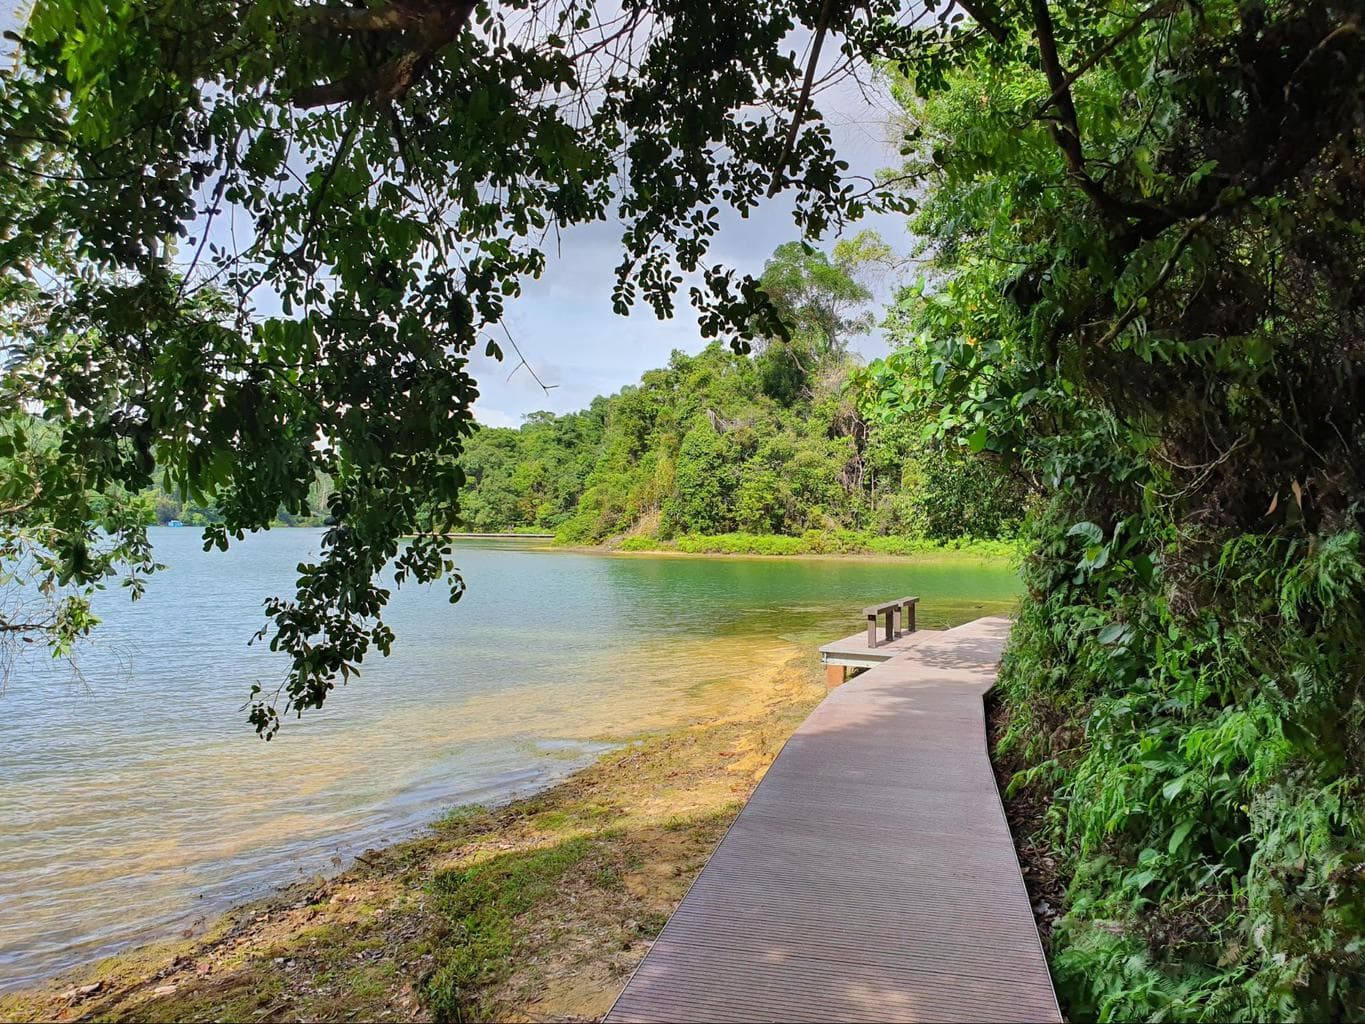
481, 904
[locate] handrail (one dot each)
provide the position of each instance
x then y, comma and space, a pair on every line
892, 611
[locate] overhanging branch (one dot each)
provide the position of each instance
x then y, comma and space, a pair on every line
422, 30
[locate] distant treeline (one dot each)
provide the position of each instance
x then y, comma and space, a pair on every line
717, 443
164, 508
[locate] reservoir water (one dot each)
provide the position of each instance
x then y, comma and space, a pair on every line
135, 801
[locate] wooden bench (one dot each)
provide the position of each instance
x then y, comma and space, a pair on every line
892, 610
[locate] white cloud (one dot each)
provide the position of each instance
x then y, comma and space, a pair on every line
495, 417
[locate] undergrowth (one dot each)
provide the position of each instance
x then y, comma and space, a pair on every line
1202, 740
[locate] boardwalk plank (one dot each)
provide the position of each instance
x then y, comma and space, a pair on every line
872, 875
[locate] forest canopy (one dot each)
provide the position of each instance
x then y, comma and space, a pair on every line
777, 442
701, 447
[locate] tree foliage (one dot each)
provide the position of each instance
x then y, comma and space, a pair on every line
1146, 281
821, 301
248, 245
701, 447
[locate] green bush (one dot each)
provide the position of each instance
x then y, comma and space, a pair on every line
1198, 755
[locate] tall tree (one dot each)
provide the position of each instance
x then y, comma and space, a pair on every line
822, 301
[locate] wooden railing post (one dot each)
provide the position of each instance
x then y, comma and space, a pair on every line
900, 620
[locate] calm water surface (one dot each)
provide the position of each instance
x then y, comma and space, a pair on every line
136, 800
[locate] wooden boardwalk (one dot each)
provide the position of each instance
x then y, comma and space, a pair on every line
871, 876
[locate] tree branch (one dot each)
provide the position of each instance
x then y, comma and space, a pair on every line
992, 27
1067, 133
822, 25
430, 28
1155, 11
1168, 268
392, 18
320, 195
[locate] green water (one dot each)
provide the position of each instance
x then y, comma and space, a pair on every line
135, 799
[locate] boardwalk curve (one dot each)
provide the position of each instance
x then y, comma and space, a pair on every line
871, 876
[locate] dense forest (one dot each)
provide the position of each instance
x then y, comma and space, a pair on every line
780, 443
1149, 294
722, 443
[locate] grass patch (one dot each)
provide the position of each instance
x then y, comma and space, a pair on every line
481, 904
818, 542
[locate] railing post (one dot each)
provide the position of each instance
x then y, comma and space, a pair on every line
900, 619
910, 614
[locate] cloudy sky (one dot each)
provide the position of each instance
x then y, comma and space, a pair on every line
564, 324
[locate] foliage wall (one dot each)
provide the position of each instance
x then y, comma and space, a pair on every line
719, 443
1149, 291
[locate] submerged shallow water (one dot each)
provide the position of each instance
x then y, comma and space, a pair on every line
135, 800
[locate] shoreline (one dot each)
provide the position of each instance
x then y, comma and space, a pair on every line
533, 909
925, 555
813, 544
778, 546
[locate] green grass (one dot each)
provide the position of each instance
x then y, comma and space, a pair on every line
481, 904
817, 542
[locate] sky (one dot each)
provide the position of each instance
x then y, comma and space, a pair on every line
563, 323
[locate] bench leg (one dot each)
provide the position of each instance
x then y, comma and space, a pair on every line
834, 676
872, 631
889, 634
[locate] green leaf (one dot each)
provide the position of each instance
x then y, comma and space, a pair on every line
1178, 835
1087, 530
1112, 633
